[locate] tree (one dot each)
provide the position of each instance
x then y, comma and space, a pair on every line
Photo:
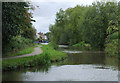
84, 23
15, 20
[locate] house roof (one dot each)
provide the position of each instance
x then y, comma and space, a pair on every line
40, 33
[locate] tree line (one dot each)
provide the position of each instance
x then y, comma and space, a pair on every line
85, 23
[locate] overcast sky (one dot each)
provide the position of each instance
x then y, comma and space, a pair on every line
46, 13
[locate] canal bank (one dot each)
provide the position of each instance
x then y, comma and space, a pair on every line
78, 66
46, 57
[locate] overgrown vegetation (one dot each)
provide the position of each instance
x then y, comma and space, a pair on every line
48, 55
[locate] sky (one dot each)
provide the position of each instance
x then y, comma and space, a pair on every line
45, 14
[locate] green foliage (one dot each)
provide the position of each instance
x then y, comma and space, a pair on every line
19, 63
48, 34
48, 55
113, 36
29, 33
18, 43
16, 20
13, 18
55, 55
112, 27
53, 45
23, 51
82, 44
111, 46
84, 23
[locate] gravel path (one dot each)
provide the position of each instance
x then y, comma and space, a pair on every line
37, 51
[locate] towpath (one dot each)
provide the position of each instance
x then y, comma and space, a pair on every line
37, 51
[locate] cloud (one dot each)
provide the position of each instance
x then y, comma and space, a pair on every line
60, 0
46, 13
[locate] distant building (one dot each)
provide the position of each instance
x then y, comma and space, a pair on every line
41, 36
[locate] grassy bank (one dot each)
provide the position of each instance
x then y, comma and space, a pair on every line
55, 55
17, 46
22, 52
23, 62
48, 55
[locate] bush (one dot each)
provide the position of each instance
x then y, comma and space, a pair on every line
53, 45
112, 47
82, 44
17, 43
111, 43
113, 36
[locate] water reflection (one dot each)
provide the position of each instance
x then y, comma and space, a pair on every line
63, 46
67, 51
19, 75
67, 73
83, 66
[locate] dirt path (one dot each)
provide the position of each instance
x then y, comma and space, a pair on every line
37, 51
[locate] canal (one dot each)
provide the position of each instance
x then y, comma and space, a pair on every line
78, 66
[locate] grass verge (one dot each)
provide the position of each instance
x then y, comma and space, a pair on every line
19, 63
48, 55
23, 51
55, 55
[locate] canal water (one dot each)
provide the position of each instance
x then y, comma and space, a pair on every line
78, 66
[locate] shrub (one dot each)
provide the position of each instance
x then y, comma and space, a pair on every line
53, 45
82, 44
17, 43
112, 47
111, 43
113, 36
